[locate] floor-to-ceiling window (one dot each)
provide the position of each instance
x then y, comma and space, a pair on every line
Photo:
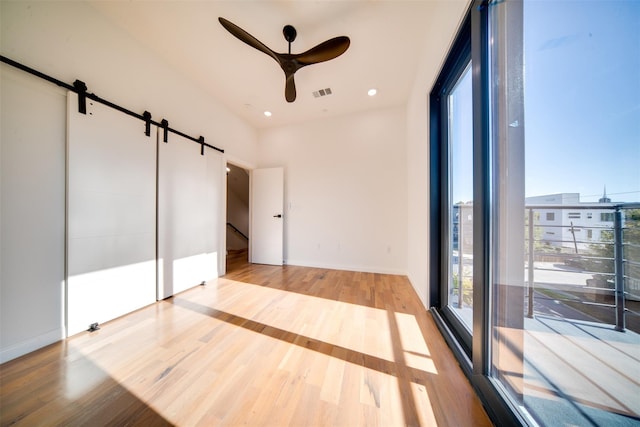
460, 195
452, 171
566, 130
554, 259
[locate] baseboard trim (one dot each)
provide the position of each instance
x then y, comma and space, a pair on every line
363, 269
32, 344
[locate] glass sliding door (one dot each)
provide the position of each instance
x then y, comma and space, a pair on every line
507, 208
565, 331
535, 215
460, 196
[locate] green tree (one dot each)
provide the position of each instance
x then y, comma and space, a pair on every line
631, 239
604, 252
538, 244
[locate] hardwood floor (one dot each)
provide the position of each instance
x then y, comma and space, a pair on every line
263, 345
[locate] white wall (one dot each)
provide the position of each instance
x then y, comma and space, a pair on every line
238, 215
450, 15
345, 190
32, 218
71, 40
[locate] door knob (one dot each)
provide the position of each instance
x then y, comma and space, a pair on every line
278, 216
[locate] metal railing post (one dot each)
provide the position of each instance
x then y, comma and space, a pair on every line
460, 259
530, 266
618, 269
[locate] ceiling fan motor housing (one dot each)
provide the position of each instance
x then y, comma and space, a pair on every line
290, 33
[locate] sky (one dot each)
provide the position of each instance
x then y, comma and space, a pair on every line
461, 135
582, 102
582, 98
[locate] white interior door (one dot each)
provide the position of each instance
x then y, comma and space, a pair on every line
267, 203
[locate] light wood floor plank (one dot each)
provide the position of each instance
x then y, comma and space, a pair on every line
263, 345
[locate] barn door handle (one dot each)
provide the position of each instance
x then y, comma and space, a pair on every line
278, 216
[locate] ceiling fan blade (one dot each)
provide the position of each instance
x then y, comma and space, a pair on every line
244, 36
290, 88
325, 51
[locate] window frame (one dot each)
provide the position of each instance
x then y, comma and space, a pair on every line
455, 65
471, 43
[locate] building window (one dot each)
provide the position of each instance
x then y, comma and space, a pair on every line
606, 217
574, 215
551, 216
589, 234
589, 215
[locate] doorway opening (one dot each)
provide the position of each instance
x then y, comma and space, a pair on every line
237, 228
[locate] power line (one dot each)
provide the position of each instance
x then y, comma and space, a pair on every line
611, 194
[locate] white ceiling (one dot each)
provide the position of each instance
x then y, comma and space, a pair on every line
387, 43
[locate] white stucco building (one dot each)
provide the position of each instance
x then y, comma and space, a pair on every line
570, 223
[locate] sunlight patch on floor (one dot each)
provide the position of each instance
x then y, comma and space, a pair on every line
330, 351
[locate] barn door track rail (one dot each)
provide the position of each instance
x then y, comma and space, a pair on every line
80, 88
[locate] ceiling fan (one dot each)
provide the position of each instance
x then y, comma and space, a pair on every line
290, 63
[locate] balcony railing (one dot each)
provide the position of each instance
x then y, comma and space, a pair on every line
572, 301
592, 274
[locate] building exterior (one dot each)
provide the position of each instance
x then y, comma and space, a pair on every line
569, 223
464, 221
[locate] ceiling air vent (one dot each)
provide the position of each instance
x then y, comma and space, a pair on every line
322, 92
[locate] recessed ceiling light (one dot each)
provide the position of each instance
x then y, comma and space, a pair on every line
372, 92
267, 113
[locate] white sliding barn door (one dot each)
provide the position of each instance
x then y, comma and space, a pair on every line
190, 193
111, 215
267, 221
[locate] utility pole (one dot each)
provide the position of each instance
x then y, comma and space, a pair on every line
575, 244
